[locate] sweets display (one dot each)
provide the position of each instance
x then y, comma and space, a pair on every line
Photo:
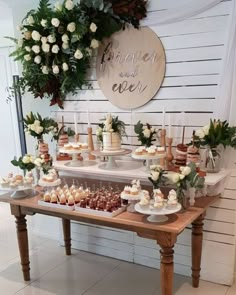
17, 181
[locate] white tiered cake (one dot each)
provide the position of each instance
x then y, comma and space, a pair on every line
111, 141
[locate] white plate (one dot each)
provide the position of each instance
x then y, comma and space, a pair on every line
129, 197
163, 211
17, 189
147, 157
58, 206
73, 152
49, 184
112, 153
100, 213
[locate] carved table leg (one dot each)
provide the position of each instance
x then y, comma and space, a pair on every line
67, 236
167, 270
197, 235
22, 236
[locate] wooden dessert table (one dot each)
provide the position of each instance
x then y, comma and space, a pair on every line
165, 234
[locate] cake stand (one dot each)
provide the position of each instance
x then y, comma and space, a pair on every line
49, 184
74, 153
20, 191
132, 199
111, 164
157, 215
148, 158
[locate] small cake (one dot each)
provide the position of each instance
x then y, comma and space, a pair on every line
68, 146
71, 201
77, 198
181, 155
151, 151
62, 199
53, 199
158, 193
134, 190
47, 197
144, 203
127, 189
63, 139
13, 185
75, 146
4, 182
139, 151
193, 155
19, 178
84, 146
43, 149
160, 150
48, 178
158, 205
172, 198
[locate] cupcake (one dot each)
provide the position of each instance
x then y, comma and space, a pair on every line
158, 205
71, 201
68, 146
84, 146
134, 190
158, 193
47, 197
53, 199
62, 200
160, 150
172, 199
127, 190
151, 151
138, 151
144, 203
4, 182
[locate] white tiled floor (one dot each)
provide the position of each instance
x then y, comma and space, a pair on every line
54, 273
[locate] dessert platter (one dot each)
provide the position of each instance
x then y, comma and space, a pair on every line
149, 154
19, 186
100, 201
74, 149
158, 207
132, 194
50, 180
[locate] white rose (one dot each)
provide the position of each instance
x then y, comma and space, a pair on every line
43, 23
185, 170
55, 22
30, 20
69, 5
65, 45
46, 47
36, 49
44, 40
51, 39
45, 70
27, 57
94, 43
71, 27
147, 133
93, 27
55, 69
26, 159
36, 36
155, 175
200, 133
37, 123
37, 59
65, 67
55, 49
181, 177
65, 38
175, 177
20, 42
27, 48
58, 6
78, 54
206, 129
39, 129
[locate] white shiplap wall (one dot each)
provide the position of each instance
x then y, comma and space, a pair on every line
194, 50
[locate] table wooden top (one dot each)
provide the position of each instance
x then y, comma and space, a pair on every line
128, 221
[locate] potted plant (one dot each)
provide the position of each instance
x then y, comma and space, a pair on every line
146, 133
215, 137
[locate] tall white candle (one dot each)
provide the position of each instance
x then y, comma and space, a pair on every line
88, 118
170, 127
163, 118
75, 123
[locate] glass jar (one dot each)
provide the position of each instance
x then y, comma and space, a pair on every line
213, 159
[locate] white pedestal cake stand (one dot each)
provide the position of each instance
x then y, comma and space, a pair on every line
74, 153
19, 192
157, 215
49, 184
111, 164
132, 199
148, 158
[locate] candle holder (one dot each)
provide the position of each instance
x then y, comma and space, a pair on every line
163, 144
90, 144
169, 155
79, 157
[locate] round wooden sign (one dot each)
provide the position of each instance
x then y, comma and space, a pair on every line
131, 67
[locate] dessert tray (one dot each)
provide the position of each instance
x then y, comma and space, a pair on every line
57, 206
111, 163
49, 184
157, 215
74, 153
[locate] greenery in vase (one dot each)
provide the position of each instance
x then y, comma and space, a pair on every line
215, 134
37, 126
56, 44
188, 177
29, 162
158, 176
146, 133
110, 124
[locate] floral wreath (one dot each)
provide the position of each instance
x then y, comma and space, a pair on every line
57, 43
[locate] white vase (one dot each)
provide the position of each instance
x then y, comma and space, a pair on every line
111, 141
